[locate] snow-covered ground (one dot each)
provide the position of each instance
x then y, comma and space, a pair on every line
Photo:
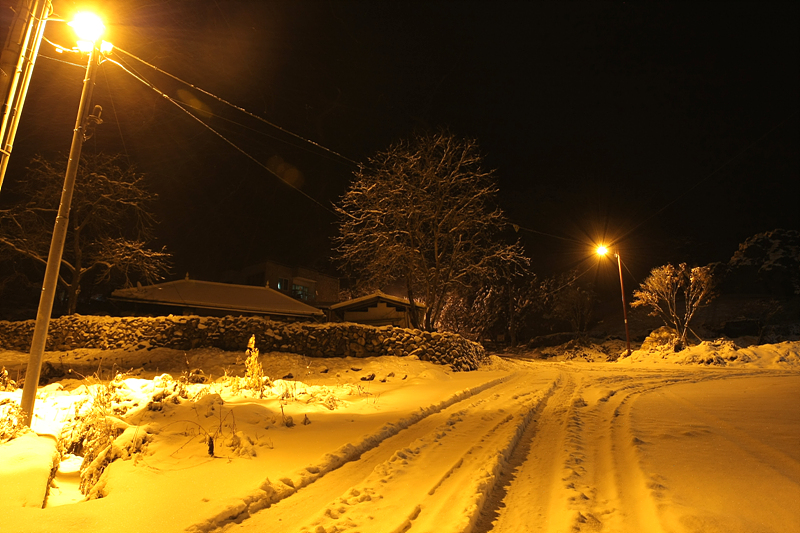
707, 440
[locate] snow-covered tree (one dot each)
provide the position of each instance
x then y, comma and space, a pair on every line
675, 294
768, 263
423, 213
496, 306
109, 228
575, 305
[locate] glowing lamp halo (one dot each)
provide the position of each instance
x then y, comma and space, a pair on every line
87, 26
602, 250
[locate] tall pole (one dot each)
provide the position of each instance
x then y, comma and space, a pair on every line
57, 245
624, 304
16, 67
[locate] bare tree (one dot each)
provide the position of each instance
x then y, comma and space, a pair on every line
662, 292
496, 306
423, 213
109, 223
575, 304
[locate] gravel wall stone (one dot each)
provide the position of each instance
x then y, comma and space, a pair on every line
232, 333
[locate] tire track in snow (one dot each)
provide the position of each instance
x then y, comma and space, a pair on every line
533, 492
622, 495
456, 509
628, 489
527, 490
271, 493
583, 472
437, 482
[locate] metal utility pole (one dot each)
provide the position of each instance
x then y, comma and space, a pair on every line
603, 250
16, 67
624, 305
57, 244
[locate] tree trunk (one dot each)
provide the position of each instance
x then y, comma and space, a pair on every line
429, 319
512, 322
72, 302
75, 284
413, 313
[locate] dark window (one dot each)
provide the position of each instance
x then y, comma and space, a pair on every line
283, 284
300, 292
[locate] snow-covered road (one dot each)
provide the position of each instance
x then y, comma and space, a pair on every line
646, 444
562, 447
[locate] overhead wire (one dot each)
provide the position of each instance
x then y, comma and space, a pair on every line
517, 227
218, 134
183, 107
116, 118
573, 280
133, 72
238, 108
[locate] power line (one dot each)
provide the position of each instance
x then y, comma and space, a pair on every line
238, 108
517, 227
218, 134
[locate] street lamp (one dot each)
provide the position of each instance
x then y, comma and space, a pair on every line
88, 28
602, 250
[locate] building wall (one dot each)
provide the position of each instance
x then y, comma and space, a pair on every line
319, 287
380, 315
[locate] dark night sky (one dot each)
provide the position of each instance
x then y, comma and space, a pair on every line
669, 127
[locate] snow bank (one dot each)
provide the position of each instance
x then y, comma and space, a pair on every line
723, 353
27, 463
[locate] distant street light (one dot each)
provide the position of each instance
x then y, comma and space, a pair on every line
602, 250
88, 28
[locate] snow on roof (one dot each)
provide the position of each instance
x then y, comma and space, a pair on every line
220, 296
376, 296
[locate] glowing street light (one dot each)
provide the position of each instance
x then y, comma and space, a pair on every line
89, 28
603, 250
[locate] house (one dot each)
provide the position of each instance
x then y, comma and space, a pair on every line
376, 309
194, 297
310, 286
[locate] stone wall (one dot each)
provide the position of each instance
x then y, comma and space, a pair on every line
232, 333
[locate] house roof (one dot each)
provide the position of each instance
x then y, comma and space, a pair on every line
372, 299
218, 296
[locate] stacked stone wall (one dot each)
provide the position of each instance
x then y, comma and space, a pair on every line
232, 333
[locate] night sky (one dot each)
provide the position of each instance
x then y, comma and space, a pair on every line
669, 128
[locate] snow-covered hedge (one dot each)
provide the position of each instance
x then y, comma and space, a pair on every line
232, 333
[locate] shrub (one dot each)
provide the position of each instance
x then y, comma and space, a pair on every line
254, 377
12, 423
662, 291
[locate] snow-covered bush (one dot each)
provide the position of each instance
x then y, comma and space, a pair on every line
675, 294
254, 378
92, 430
6, 383
11, 420
767, 262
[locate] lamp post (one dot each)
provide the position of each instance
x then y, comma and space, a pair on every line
602, 250
88, 28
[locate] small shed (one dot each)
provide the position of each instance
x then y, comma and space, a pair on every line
194, 297
376, 309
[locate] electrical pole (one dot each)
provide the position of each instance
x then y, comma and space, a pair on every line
57, 244
624, 305
16, 67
